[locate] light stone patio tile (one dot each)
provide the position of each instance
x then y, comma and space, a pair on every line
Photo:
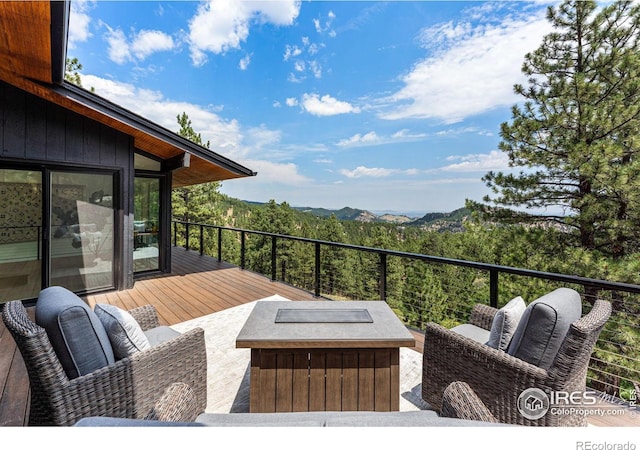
228, 367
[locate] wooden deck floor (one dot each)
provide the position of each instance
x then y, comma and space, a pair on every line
197, 286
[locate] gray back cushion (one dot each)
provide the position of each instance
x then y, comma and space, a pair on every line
544, 325
76, 334
505, 323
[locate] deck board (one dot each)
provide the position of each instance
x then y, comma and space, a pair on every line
198, 285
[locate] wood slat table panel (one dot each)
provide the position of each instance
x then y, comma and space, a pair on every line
286, 380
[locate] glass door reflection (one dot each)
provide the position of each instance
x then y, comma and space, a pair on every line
21, 237
81, 235
146, 224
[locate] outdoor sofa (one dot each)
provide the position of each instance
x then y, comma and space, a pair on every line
462, 408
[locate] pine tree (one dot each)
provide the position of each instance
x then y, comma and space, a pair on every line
72, 70
194, 203
276, 219
577, 134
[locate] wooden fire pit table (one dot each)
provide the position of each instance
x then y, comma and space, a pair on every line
324, 356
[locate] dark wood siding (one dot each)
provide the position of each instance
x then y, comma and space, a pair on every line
34, 130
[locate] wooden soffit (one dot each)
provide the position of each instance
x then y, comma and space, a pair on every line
26, 57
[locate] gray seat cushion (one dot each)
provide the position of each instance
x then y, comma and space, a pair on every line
472, 332
544, 325
300, 419
158, 335
76, 334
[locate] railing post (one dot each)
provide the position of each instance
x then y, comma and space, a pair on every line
273, 258
219, 244
317, 270
383, 277
186, 242
242, 249
201, 240
38, 249
493, 288
175, 234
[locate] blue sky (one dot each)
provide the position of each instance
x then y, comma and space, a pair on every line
385, 106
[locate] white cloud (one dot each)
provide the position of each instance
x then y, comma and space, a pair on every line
147, 42
474, 72
291, 51
79, 21
315, 68
270, 172
142, 45
292, 101
362, 171
405, 134
244, 62
483, 162
464, 130
377, 172
326, 25
225, 136
118, 47
370, 138
302, 66
326, 105
222, 25
260, 138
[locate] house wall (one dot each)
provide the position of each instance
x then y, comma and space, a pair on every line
33, 130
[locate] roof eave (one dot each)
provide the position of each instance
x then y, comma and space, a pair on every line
60, 11
134, 120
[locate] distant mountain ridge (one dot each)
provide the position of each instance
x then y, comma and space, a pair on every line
437, 221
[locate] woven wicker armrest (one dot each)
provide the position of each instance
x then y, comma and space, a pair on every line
461, 402
146, 316
482, 316
178, 404
131, 387
496, 377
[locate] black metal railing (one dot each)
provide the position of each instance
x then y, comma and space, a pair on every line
422, 288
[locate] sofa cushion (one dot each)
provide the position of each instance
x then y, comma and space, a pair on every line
160, 334
124, 332
300, 419
76, 334
544, 325
474, 332
505, 323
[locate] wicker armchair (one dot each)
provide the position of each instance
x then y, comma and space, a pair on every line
129, 388
498, 378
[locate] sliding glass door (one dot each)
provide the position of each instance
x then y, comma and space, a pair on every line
146, 224
21, 237
56, 229
81, 251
